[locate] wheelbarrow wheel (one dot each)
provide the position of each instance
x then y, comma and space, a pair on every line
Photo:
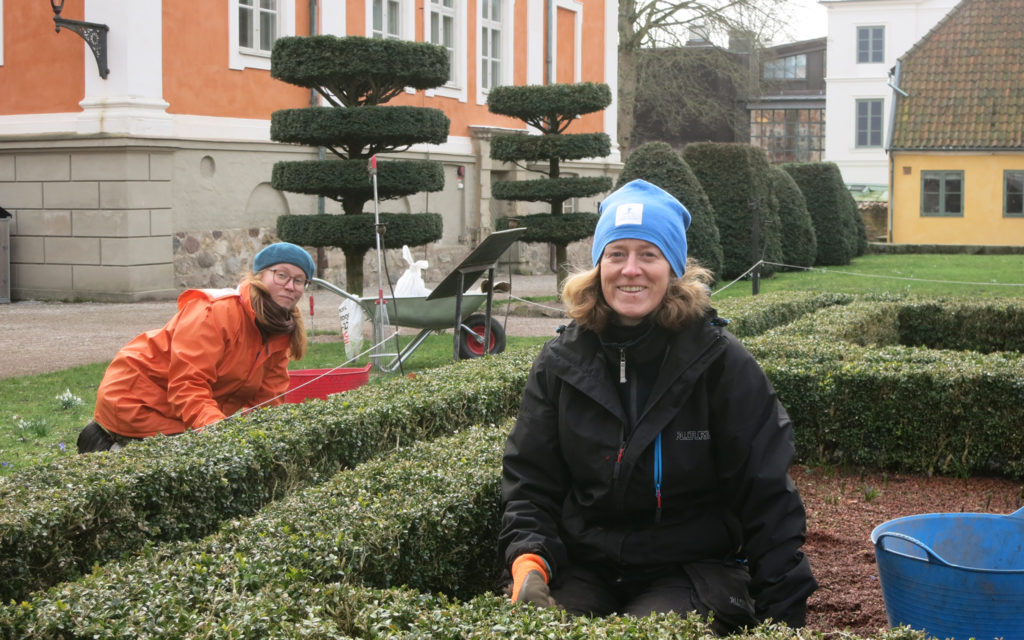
471, 343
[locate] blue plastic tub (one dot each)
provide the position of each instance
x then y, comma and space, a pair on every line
954, 575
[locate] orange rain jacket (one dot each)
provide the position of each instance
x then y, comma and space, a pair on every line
206, 363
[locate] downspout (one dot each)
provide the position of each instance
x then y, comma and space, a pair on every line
894, 84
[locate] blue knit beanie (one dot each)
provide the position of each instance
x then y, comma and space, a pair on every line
284, 252
642, 211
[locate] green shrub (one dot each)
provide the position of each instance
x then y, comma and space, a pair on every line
386, 128
545, 227
357, 232
530, 148
963, 325
827, 201
58, 520
551, 109
550, 189
339, 179
316, 565
755, 315
736, 179
358, 71
799, 243
356, 75
896, 407
658, 163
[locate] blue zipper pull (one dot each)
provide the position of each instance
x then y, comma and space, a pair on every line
657, 477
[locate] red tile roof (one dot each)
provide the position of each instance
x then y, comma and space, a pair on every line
965, 81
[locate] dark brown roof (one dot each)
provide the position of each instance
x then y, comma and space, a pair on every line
965, 81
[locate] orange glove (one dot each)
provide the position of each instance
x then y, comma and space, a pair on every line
530, 580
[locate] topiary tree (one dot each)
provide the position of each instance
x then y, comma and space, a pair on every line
860, 241
355, 75
551, 109
658, 163
799, 243
737, 180
827, 202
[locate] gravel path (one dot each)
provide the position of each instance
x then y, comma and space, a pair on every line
38, 337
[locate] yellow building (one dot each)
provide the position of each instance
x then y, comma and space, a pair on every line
957, 145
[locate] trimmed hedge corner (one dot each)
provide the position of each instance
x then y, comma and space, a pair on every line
58, 520
858, 395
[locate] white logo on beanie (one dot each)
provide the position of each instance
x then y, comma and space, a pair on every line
629, 213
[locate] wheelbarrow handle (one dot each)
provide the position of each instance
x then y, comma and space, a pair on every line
932, 556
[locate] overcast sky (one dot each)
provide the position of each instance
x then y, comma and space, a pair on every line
809, 20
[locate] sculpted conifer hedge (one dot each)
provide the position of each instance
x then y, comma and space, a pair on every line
356, 76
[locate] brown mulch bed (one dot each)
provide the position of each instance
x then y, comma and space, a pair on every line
844, 506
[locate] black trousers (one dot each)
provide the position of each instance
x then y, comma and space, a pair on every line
720, 588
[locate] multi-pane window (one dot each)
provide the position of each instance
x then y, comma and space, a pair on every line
257, 24
442, 31
870, 44
1013, 193
942, 193
490, 44
788, 68
387, 19
789, 135
869, 123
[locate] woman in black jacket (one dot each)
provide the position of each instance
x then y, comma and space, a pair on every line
648, 468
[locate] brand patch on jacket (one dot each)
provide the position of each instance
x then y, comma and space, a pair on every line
693, 435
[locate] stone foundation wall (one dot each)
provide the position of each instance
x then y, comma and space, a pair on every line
876, 219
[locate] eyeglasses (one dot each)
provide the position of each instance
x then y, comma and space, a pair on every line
282, 278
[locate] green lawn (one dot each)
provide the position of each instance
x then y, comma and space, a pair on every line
42, 414
924, 275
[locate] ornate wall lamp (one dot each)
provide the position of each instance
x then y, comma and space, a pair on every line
95, 35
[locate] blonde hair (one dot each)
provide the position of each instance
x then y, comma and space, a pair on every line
688, 298
260, 297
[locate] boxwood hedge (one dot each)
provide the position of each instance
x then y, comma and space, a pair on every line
859, 395
396, 546
316, 565
58, 520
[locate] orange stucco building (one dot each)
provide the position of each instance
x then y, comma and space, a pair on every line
157, 177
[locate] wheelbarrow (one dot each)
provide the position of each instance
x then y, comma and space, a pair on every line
448, 305
430, 316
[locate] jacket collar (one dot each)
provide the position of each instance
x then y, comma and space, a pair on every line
577, 357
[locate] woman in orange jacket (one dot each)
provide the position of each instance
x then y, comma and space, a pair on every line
224, 350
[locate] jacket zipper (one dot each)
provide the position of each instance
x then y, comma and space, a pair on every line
657, 453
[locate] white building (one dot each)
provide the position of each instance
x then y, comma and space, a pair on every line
865, 37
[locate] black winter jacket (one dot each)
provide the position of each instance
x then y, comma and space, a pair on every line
578, 478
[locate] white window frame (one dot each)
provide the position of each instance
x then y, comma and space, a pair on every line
870, 29
505, 24
406, 19
870, 117
456, 85
239, 58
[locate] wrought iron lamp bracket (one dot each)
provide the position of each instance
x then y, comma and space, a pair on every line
94, 34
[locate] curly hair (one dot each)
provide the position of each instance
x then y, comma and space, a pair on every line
688, 297
271, 320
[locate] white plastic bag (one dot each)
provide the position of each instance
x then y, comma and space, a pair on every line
351, 315
411, 284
